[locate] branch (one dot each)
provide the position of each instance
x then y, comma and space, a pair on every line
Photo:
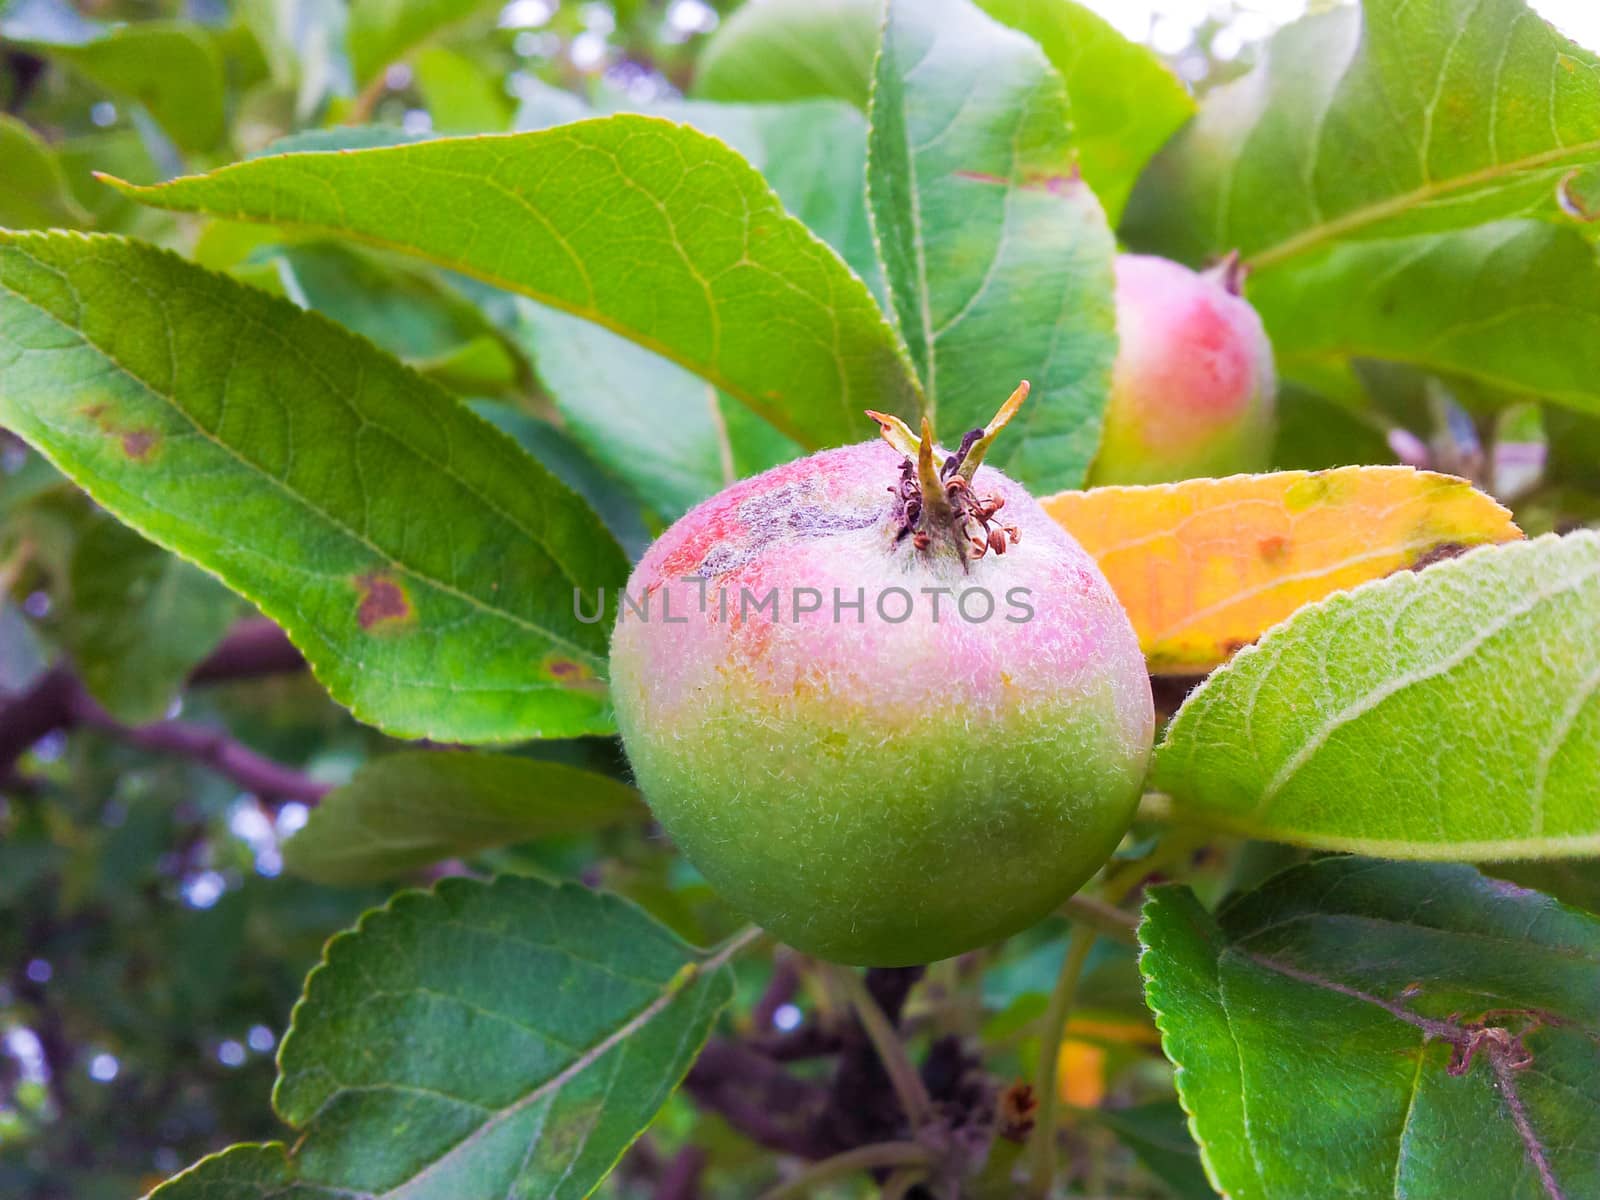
57, 702
254, 648
209, 747
885, 1038
758, 1098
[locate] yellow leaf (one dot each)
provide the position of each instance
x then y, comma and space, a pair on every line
1082, 1072
1113, 1031
1206, 566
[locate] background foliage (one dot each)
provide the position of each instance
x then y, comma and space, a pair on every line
513, 361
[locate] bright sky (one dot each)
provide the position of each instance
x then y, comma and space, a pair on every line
1169, 24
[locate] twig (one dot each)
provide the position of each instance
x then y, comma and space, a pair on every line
861, 1158
757, 1097
212, 748
253, 648
1043, 1169
1113, 890
891, 1050
57, 702
1106, 919
725, 950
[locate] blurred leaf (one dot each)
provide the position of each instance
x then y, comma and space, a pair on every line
689, 254
404, 811
1574, 881
674, 438
663, 430
1316, 432
1450, 713
570, 463
1366, 1016
384, 31
1159, 1134
1205, 566
1125, 102
1512, 305
36, 195
462, 96
120, 151
777, 50
997, 256
141, 620
523, 1036
1419, 118
404, 544
405, 310
171, 68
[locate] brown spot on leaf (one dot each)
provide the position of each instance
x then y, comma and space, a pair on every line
570, 673
383, 601
1438, 553
1273, 549
137, 444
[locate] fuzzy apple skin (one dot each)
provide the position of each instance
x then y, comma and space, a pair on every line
876, 792
1194, 388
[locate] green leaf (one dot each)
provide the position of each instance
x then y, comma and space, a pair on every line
998, 259
171, 68
652, 230
1360, 1028
423, 564
1126, 104
384, 31
664, 431
1574, 881
1450, 713
462, 96
778, 50
243, 1172
405, 811
1158, 1134
522, 1035
405, 309
1424, 117
141, 620
36, 195
1513, 304
675, 438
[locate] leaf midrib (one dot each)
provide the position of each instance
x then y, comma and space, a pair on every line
1374, 213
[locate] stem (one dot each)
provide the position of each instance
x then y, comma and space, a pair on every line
886, 1041
1113, 890
1103, 918
1043, 1151
361, 109
862, 1158
724, 951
